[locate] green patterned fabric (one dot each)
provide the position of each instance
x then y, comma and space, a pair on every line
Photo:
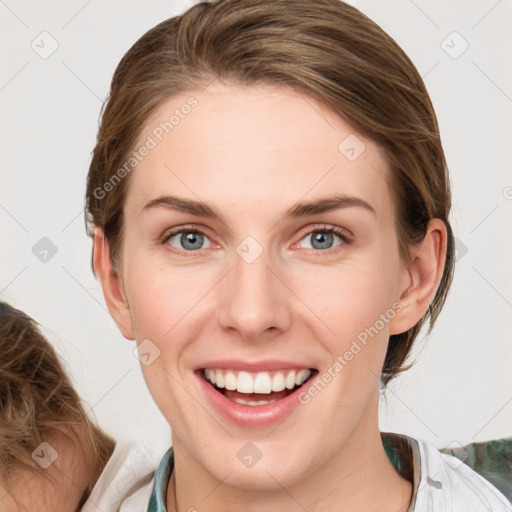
491, 459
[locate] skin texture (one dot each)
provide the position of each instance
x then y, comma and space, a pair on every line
252, 153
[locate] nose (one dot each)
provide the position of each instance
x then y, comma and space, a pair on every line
254, 299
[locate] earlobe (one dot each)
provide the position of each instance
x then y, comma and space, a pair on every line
112, 285
424, 275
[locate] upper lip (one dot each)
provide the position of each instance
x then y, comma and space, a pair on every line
254, 366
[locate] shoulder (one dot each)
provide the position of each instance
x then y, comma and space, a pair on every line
126, 481
446, 483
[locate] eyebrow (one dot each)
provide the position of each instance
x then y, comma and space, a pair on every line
302, 209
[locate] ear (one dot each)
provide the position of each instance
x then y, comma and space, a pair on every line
112, 285
422, 277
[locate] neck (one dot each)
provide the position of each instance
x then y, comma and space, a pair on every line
358, 476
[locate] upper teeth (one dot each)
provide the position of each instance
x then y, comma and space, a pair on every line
261, 382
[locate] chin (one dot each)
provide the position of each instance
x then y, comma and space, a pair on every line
257, 467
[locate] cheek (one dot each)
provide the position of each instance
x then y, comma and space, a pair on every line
350, 296
159, 301
165, 303
160, 297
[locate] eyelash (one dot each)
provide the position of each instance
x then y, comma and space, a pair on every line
319, 228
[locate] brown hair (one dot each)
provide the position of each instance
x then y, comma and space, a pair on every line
325, 49
38, 399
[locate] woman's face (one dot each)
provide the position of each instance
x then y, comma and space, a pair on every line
263, 289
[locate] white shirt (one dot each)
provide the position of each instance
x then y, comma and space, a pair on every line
126, 481
443, 483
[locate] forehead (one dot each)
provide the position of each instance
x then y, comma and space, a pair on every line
230, 145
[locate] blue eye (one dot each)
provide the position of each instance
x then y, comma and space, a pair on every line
322, 239
190, 240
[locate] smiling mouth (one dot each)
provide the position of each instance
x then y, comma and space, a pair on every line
256, 388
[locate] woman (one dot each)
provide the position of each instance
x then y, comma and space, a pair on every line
268, 201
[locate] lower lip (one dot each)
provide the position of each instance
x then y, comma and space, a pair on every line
253, 415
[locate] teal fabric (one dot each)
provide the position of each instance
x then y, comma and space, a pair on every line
162, 476
399, 453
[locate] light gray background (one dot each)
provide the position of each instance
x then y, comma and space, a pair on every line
461, 388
